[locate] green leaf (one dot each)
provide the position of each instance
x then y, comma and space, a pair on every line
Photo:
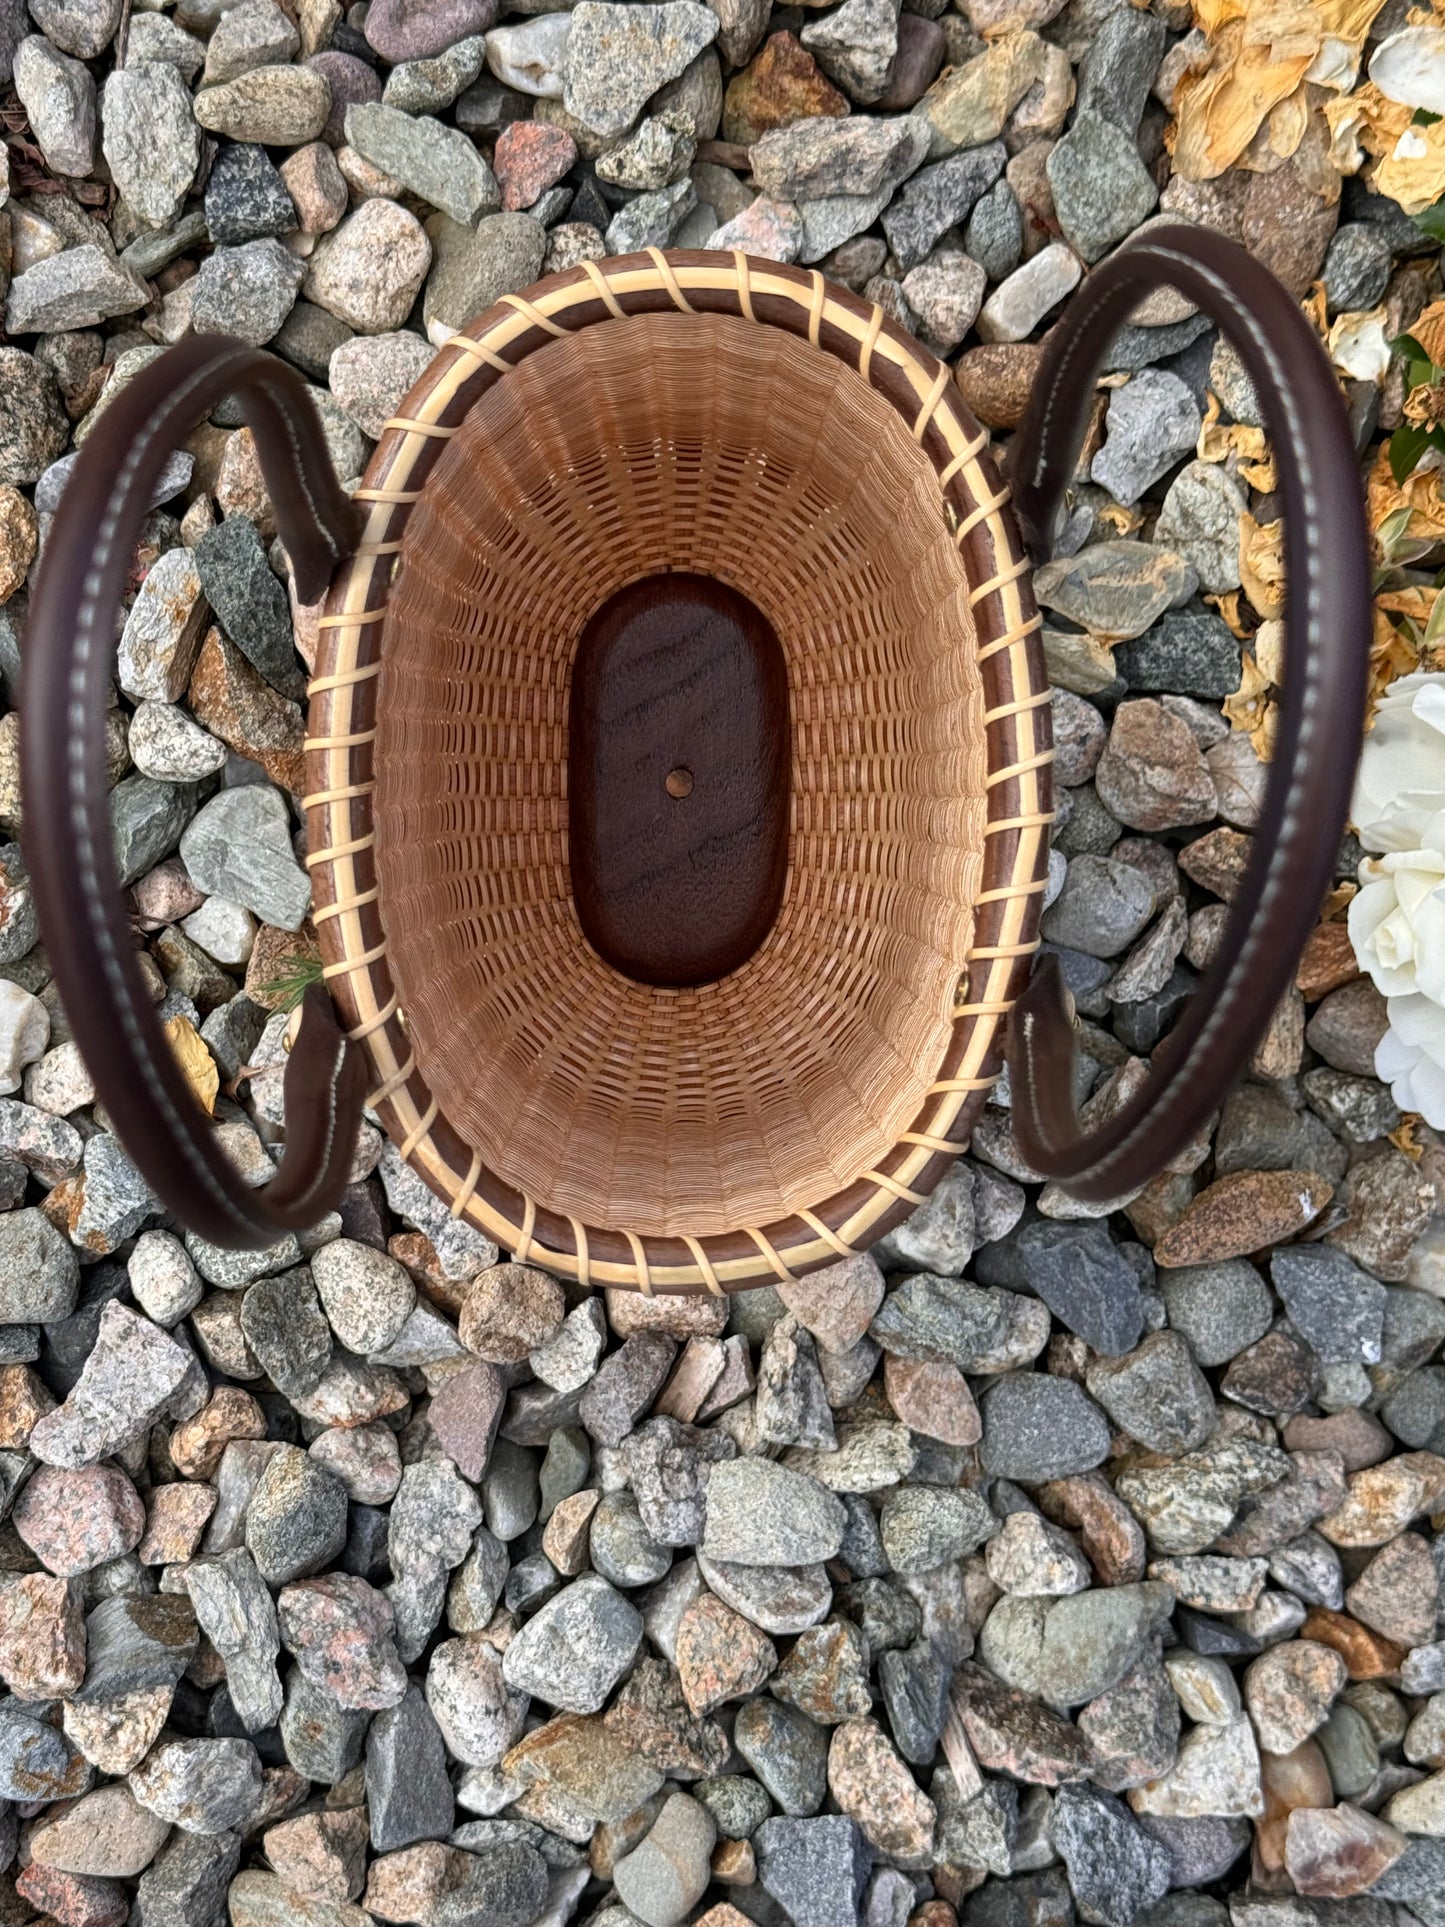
1432, 221
1407, 445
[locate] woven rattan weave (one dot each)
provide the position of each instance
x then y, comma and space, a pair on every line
750, 422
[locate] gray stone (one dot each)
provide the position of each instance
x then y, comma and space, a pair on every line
1102, 907
39, 1269
153, 37
234, 1610
1357, 267
777, 1599
150, 139
658, 152
147, 819
370, 375
1115, 1868
650, 220
474, 267
1156, 1394
1359, 1109
58, 96
930, 1317
941, 197
439, 164
246, 291
1071, 1649
1151, 423
995, 232
618, 56
322, 1742
256, 33
1335, 1307
37, 1763
1189, 651
1085, 1281
762, 1514
408, 1794
1101, 188
814, 1869
137, 1643
667, 1871
201, 1786
130, 1379
246, 198
185, 1885
787, 1751
944, 294
573, 1651
249, 603
1037, 1428
282, 1321
75, 28
925, 1526
737, 1804
856, 46
430, 85
915, 1686
625, 1386
855, 157
432, 1522
239, 846
668, 1467
296, 1519
1200, 1851
1200, 520
1119, 67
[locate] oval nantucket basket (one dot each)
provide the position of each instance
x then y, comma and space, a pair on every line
679, 777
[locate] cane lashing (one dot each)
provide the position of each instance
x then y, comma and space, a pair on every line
875, 1117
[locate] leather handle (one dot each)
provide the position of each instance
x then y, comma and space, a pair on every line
1327, 643
70, 659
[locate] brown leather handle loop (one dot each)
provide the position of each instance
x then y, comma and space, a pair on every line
70, 658
1327, 642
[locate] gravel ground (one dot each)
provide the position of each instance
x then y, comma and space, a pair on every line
1033, 1567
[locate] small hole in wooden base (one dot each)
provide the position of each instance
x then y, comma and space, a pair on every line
678, 782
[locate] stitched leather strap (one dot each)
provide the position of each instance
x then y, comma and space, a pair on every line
1327, 641
69, 661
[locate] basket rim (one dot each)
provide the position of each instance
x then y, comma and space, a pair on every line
341, 733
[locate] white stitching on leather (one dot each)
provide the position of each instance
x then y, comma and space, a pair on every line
78, 785
1279, 858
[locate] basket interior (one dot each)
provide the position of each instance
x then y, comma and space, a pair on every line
711, 445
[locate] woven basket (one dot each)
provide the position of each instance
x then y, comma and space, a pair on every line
733, 419
679, 768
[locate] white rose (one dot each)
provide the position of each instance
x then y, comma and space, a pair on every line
1399, 801
1397, 923
1410, 1057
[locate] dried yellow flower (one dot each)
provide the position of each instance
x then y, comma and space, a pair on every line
1425, 405
196, 1062
1217, 442
1261, 564
1428, 329
1250, 710
1419, 493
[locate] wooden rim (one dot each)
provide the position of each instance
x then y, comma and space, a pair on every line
342, 730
